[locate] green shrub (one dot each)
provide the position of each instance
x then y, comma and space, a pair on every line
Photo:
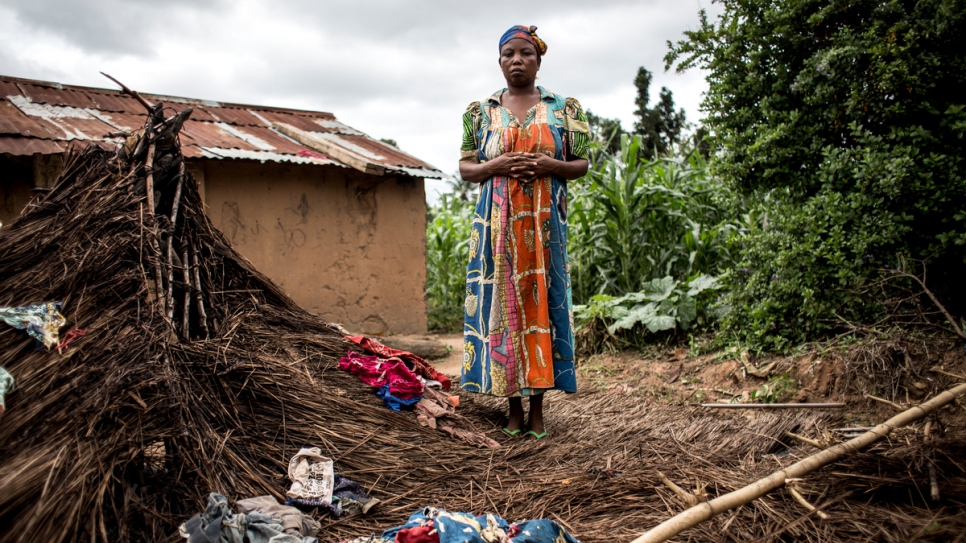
844, 123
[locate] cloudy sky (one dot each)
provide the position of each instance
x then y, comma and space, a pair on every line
400, 69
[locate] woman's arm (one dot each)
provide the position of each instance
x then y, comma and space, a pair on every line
542, 165
508, 164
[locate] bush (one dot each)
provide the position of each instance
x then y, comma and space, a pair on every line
844, 122
643, 236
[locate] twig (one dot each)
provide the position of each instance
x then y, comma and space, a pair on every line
885, 401
947, 374
774, 405
933, 480
801, 499
704, 511
133, 93
686, 496
804, 439
952, 321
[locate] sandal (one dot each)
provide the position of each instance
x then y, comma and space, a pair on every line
537, 436
512, 433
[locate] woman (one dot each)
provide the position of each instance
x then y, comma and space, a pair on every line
522, 144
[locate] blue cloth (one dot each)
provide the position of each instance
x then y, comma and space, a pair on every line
520, 32
465, 528
393, 402
41, 321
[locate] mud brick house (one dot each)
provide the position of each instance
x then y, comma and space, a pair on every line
334, 217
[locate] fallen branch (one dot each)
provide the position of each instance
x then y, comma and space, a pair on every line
686, 496
883, 400
801, 499
774, 405
952, 321
704, 511
131, 92
947, 374
804, 439
933, 480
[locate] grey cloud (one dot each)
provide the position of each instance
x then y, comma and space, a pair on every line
109, 26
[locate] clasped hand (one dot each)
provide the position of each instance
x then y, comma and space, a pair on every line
523, 166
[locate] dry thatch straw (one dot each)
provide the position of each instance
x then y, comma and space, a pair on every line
122, 436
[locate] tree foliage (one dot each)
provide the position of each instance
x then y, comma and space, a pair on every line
845, 122
660, 127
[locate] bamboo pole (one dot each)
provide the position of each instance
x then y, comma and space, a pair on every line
773, 405
707, 510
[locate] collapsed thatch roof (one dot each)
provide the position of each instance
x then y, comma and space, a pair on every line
197, 374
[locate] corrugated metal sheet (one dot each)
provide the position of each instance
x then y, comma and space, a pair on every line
211, 135
14, 145
14, 121
56, 97
40, 117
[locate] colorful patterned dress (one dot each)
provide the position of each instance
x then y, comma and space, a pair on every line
518, 322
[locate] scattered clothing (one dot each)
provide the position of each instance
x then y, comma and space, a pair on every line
518, 315
41, 321
397, 385
311, 475
293, 521
348, 498
69, 338
219, 524
368, 539
413, 362
437, 411
6, 387
438, 525
393, 402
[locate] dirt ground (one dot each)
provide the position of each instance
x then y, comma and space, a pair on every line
901, 371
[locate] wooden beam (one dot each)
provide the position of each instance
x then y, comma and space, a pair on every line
330, 149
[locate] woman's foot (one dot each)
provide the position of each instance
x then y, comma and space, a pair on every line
535, 424
514, 425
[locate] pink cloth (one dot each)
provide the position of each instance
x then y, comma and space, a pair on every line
420, 366
376, 372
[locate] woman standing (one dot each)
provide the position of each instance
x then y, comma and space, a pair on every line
522, 144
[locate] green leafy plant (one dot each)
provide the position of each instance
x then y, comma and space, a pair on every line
842, 122
447, 236
777, 389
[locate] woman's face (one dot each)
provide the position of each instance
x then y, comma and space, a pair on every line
520, 62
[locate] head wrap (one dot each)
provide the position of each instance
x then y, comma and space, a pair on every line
528, 33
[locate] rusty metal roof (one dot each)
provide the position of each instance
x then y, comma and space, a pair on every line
41, 117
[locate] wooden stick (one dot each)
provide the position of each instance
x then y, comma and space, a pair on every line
774, 405
933, 480
947, 374
133, 93
707, 510
952, 320
152, 225
186, 313
685, 496
804, 439
170, 255
883, 400
202, 316
801, 499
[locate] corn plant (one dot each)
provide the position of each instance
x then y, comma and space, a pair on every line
447, 235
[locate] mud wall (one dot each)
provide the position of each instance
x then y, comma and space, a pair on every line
348, 246
16, 184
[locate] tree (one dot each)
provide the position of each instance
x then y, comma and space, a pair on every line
605, 132
845, 122
660, 128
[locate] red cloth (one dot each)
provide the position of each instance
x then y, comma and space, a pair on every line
376, 372
419, 534
420, 366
